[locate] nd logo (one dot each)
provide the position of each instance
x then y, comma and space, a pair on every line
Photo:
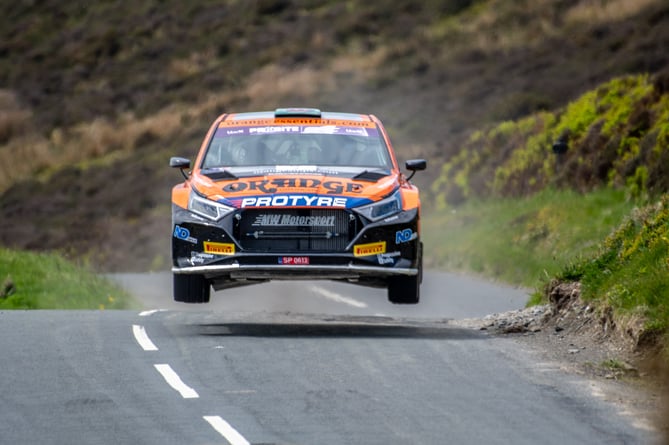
181, 232
402, 236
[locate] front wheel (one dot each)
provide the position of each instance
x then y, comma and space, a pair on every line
404, 290
191, 288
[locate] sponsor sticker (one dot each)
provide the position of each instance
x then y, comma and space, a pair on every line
274, 129
387, 258
326, 129
369, 249
403, 236
183, 233
274, 220
275, 185
293, 201
294, 260
356, 131
294, 169
296, 126
200, 258
384, 259
219, 248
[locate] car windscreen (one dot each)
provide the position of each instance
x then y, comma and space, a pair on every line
326, 145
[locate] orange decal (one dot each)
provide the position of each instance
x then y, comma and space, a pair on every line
295, 121
219, 248
369, 249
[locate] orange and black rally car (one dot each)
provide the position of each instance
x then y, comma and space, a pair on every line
296, 194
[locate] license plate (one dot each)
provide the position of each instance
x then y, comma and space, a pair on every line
294, 260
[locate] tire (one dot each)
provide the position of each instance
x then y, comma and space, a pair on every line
420, 263
404, 290
191, 289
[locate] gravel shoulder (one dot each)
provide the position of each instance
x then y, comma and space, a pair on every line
619, 359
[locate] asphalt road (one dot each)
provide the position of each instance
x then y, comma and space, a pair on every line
291, 363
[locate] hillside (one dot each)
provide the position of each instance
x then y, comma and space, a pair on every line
616, 135
97, 98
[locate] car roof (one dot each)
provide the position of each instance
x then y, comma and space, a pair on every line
282, 113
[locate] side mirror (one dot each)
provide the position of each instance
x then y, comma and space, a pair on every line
180, 163
415, 165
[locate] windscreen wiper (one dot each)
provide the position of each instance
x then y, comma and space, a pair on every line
218, 174
371, 175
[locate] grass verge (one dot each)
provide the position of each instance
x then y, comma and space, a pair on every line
47, 281
617, 251
631, 269
524, 241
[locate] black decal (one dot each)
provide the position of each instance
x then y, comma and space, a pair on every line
235, 187
262, 186
309, 183
352, 187
284, 182
334, 187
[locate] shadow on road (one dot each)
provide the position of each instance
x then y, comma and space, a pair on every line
335, 329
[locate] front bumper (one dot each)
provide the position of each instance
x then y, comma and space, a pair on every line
366, 253
349, 271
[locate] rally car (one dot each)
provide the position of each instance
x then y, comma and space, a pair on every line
296, 194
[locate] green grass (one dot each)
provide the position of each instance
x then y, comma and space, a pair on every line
47, 281
631, 269
619, 252
615, 136
523, 241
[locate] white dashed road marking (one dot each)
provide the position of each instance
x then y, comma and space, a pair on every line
151, 312
143, 339
334, 296
227, 431
173, 379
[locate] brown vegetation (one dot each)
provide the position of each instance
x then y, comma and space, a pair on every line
98, 98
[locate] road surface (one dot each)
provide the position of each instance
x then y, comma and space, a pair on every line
292, 363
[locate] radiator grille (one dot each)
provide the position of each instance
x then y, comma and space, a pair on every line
294, 230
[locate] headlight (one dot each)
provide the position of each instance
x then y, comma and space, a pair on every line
383, 208
206, 207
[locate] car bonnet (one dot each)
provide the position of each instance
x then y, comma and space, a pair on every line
298, 189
